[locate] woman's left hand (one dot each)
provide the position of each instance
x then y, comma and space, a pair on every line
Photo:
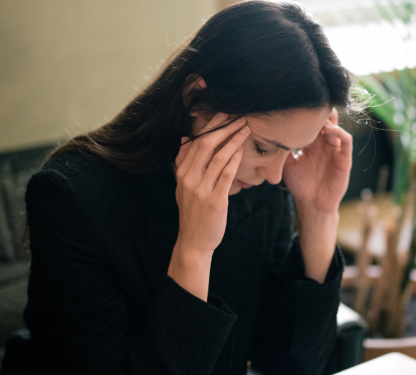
318, 177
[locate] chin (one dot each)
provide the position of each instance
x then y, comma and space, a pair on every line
235, 189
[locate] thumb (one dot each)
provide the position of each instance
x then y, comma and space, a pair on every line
289, 163
183, 151
289, 160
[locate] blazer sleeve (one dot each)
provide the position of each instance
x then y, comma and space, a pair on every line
296, 324
177, 334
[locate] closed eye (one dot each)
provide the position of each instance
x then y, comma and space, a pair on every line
259, 150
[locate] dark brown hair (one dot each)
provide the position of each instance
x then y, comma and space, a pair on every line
255, 56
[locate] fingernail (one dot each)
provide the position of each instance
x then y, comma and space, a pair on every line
244, 129
240, 120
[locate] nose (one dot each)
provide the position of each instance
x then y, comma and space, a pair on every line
272, 170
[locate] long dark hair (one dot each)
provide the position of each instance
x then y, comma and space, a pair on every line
255, 56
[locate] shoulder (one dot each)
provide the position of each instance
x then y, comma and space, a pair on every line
86, 183
87, 175
84, 170
93, 184
89, 193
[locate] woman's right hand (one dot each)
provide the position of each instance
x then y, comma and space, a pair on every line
205, 171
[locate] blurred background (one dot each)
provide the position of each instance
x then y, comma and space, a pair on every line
68, 67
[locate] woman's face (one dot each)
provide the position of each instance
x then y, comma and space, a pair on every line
273, 136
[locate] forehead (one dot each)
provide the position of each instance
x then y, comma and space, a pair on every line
294, 127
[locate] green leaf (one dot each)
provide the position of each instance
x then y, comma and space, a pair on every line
383, 11
408, 79
400, 172
381, 103
393, 84
397, 10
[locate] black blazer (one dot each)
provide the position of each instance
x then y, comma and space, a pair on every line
100, 300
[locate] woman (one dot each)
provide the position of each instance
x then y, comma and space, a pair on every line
152, 250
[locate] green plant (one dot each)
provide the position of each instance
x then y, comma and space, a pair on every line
394, 103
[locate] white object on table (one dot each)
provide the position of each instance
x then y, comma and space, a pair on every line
347, 317
388, 364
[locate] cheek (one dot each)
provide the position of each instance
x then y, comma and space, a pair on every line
247, 169
234, 189
244, 163
249, 159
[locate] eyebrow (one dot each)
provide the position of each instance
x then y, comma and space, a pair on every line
274, 143
278, 144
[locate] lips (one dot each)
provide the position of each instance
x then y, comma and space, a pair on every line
244, 185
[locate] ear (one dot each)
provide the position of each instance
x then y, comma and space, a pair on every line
192, 82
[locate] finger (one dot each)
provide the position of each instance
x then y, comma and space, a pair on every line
312, 148
221, 159
333, 140
183, 151
345, 139
210, 144
333, 117
217, 120
228, 174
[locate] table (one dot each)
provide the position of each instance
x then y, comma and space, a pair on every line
389, 364
351, 216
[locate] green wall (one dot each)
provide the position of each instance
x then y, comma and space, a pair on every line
69, 66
